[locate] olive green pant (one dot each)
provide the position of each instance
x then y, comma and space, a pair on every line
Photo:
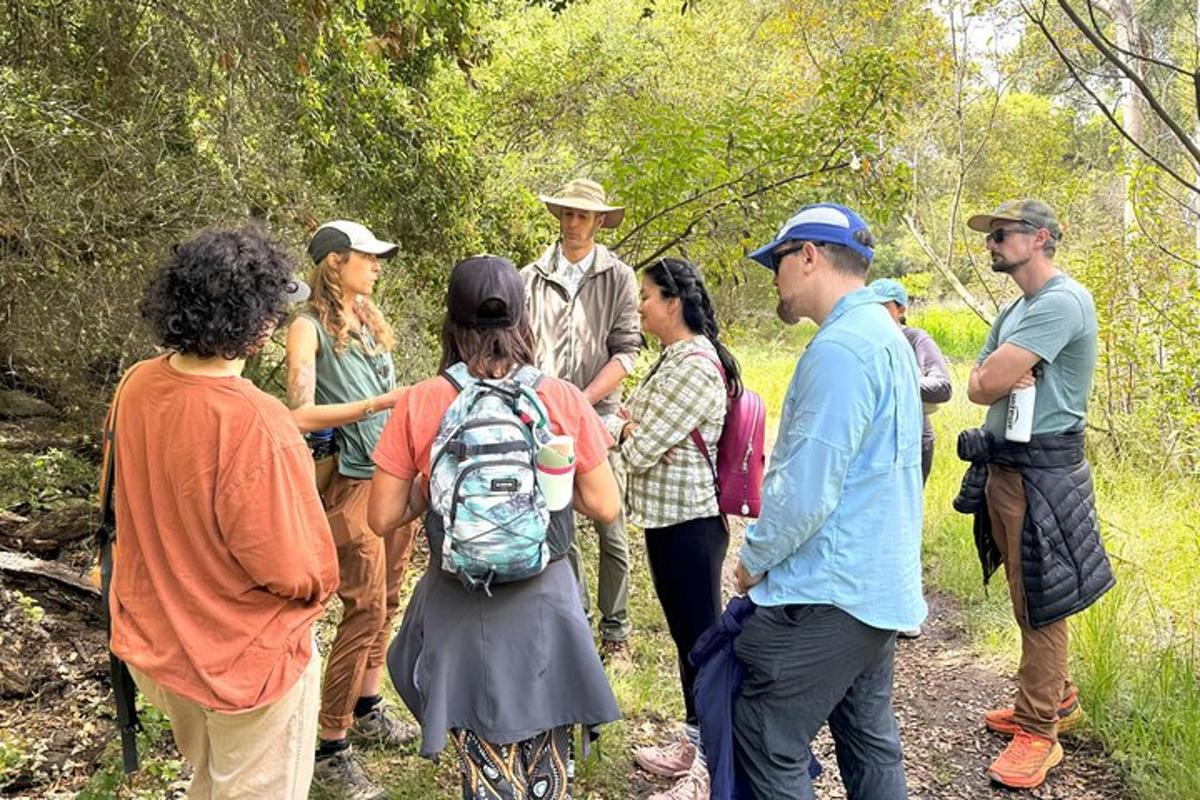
613, 592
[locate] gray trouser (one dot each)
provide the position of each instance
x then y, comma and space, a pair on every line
805, 665
613, 595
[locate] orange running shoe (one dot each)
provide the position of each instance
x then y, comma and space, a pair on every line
1025, 762
1070, 714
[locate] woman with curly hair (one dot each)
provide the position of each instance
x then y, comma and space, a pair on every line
341, 376
225, 557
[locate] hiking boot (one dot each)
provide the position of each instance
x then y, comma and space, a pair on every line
341, 776
616, 654
1070, 714
1025, 762
692, 786
379, 727
672, 761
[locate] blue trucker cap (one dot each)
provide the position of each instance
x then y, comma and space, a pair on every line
820, 222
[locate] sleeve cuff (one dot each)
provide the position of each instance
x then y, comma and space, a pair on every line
750, 561
626, 360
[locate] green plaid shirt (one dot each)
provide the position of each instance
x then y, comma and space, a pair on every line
681, 393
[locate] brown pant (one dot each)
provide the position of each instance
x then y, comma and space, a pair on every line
1044, 678
371, 574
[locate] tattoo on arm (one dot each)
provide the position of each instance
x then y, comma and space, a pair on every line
302, 384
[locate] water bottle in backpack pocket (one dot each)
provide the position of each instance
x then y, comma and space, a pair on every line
483, 479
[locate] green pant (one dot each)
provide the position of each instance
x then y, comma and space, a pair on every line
613, 594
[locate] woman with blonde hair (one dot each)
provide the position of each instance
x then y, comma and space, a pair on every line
341, 376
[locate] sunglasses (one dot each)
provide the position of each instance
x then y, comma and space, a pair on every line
998, 234
778, 256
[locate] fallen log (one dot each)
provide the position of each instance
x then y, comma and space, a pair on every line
17, 564
47, 534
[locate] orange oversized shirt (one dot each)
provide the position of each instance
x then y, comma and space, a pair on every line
223, 556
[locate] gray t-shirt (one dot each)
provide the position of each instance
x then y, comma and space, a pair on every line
1058, 324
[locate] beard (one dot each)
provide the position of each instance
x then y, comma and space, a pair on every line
787, 315
1005, 266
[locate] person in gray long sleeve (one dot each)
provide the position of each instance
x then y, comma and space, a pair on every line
935, 374
583, 307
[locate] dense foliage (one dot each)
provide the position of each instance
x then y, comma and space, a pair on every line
127, 126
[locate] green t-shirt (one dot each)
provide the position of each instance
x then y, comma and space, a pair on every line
347, 377
1058, 324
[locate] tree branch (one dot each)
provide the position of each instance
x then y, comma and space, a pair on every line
1148, 59
696, 220
1100, 103
1184, 139
948, 273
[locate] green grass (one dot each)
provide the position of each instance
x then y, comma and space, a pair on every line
959, 333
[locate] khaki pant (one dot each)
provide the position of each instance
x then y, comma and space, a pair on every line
1044, 678
263, 752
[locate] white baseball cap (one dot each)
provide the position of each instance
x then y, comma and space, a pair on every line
341, 234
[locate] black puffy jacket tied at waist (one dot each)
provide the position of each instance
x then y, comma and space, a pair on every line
1064, 568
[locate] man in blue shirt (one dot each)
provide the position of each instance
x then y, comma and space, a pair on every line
834, 562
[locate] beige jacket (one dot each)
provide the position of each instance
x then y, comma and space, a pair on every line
577, 336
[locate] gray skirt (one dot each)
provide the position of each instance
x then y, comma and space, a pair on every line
505, 667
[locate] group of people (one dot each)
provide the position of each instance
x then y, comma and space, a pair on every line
229, 549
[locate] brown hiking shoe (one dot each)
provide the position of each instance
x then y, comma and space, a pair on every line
1025, 762
1070, 714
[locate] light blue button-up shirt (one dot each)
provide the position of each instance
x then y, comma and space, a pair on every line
842, 498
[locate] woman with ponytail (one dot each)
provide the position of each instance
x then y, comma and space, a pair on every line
671, 492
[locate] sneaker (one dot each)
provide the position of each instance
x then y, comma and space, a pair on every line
617, 655
914, 633
1025, 762
341, 776
692, 786
671, 761
1070, 714
380, 728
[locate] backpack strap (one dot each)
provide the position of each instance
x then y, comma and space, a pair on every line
697, 439
124, 689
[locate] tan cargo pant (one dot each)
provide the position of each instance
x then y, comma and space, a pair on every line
1044, 678
263, 752
371, 573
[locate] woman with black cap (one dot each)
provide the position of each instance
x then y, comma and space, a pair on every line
341, 376
503, 672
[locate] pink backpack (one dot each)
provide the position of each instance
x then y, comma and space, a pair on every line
741, 456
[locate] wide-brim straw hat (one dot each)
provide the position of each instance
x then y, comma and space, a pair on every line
587, 196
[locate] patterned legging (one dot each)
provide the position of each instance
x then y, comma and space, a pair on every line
538, 768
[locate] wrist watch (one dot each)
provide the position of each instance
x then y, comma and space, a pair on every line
369, 407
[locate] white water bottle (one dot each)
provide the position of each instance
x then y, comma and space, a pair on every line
1019, 425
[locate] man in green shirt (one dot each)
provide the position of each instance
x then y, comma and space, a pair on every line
1045, 338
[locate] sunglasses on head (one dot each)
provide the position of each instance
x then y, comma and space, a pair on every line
778, 256
997, 235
